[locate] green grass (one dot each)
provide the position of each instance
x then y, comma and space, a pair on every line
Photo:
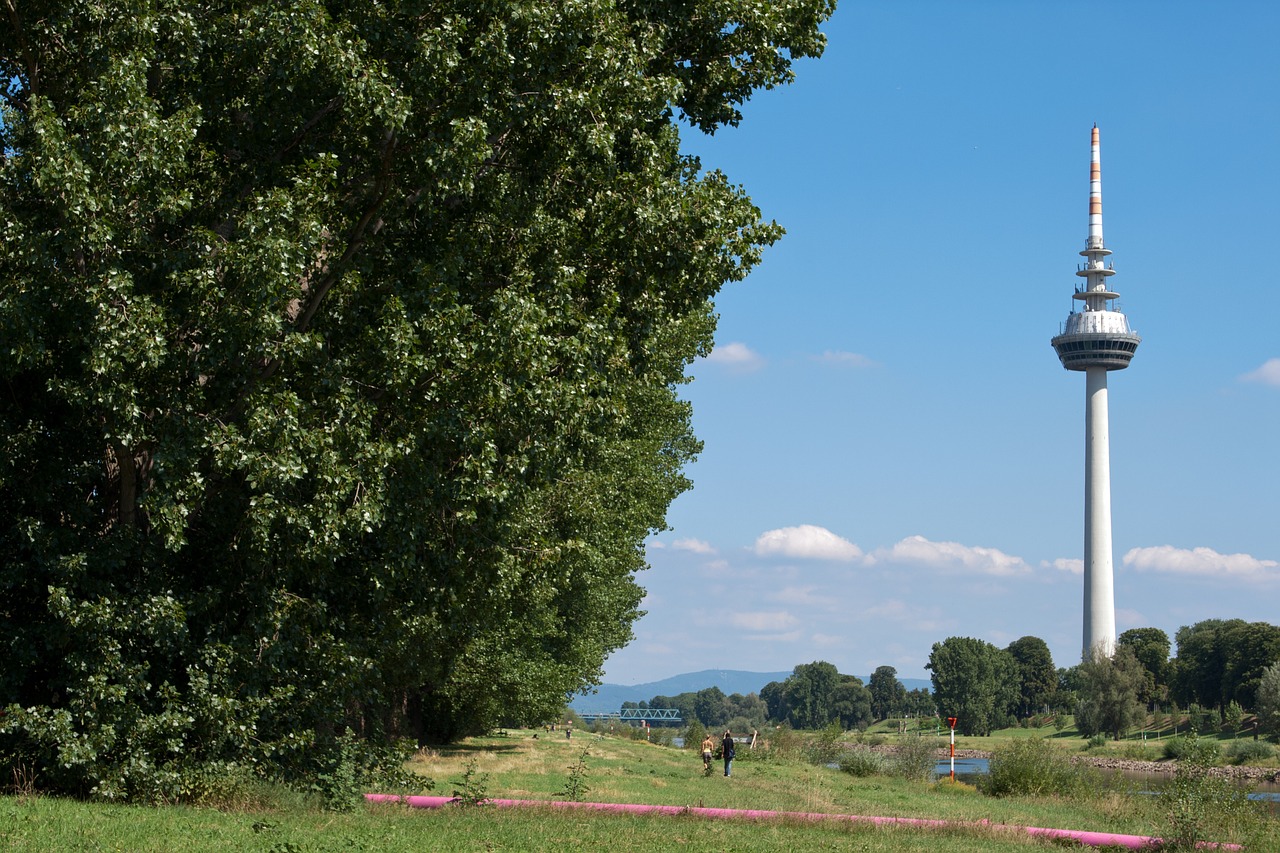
617, 770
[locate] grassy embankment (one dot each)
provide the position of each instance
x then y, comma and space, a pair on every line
616, 770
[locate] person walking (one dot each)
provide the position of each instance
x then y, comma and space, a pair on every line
708, 747
726, 747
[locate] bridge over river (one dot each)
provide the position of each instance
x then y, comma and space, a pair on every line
634, 715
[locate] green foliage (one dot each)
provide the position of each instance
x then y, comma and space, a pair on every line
342, 348
473, 788
576, 787
973, 681
888, 695
1037, 676
1268, 696
816, 694
1223, 659
693, 735
861, 761
1031, 767
1110, 690
915, 757
1200, 804
1192, 748
1151, 647
1244, 751
826, 746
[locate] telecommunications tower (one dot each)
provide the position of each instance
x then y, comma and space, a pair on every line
1096, 338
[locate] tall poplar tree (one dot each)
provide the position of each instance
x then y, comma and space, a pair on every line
341, 343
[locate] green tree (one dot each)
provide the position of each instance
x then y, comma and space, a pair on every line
1037, 677
919, 703
809, 691
851, 703
1268, 699
712, 707
1222, 660
1110, 688
973, 681
342, 349
1151, 647
888, 695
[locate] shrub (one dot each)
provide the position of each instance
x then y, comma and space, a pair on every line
1139, 751
1189, 747
1201, 805
693, 736
826, 746
1242, 751
861, 761
1032, 766
916, 757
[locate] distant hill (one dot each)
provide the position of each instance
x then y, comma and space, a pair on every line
611, 696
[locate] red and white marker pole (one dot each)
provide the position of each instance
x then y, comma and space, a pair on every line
951, 722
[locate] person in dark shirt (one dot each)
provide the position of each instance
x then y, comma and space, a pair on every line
727, 750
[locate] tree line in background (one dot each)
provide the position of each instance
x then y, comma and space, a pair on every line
814, 696
1223, 670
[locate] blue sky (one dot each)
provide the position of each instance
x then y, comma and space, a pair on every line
893, 453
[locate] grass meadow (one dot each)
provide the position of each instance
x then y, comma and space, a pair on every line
609, 768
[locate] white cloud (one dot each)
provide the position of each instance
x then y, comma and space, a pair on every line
898, 612
1063, 564
1200, 561
777, 620
739, 356
1267, 374
827, 640
697, 546
806, 542
844, 359
800, 595
950, 555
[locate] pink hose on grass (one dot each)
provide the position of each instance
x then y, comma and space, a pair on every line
1093, 839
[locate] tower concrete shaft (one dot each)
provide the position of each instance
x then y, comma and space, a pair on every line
1096, 339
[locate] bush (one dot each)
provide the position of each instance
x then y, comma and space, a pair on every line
1201, 805
861, 761
916, 757
1242, 751
826, 746
1139, 751
1191, 748
693, 736
1031, 767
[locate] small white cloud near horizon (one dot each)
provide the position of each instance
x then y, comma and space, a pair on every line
736, 355
844, 359
1267, 374
826, 641
1200, 561
697, 546
950, 555
1074, 565
806, 542
778, 620
799, 595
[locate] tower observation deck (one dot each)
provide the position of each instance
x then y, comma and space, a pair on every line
1097, 335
